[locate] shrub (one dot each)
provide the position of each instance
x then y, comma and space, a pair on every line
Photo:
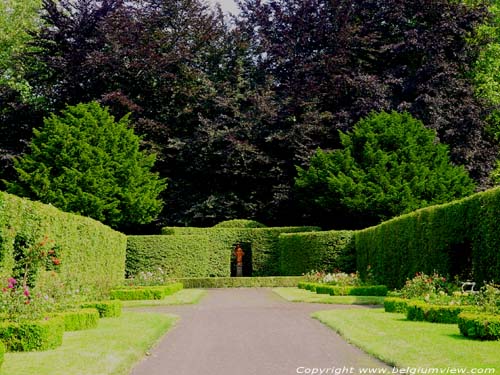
2, 352
92, 255
479, 325
395, 305
107, 309
240, 282
323, 251
32, 335
459, 238
80, 319
239, 223
336, 290
145, 292
84, 162
423, 285
422, 311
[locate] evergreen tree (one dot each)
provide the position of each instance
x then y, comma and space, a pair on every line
389, 164
85, 162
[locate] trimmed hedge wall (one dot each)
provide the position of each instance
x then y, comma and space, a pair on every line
145, 292
264, 244
479, 326
456, 238
319, 251
92, 255
421, 311
81, 319
32, 335
107, 309
178, 256
241, 282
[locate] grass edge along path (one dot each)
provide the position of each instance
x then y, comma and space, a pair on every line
302, 295
182, 297
112, 348
414, 345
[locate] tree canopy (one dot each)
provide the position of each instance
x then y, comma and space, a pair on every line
83, 161
390, 164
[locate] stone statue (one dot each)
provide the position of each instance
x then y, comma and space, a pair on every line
239, 253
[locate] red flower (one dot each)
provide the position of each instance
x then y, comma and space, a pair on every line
56, 261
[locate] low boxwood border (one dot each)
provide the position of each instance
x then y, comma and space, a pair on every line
240, 282
32, 335
107, 309
145, 292
479, 325
77, 320
422, 311
2, 353
396, 305
336, 290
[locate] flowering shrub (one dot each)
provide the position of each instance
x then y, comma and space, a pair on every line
425, 286
17, 303
150, 278
488, 299
334, 278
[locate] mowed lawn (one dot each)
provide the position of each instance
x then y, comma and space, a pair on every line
401, 343
302, 295
110, 349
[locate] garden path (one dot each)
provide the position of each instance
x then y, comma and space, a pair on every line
251, 332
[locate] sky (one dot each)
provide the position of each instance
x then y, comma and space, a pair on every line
226, 5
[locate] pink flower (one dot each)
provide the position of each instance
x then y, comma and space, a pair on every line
26, 292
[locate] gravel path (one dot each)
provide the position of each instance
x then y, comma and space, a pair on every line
251, 332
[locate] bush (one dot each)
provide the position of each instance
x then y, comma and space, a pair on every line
145, 292
336, 290
422, 311
77, 320
84, 162
323, 251
479, 326
92, 255
395, 305
2, 352
459, 238
32, 335
107, 309
240, 282
239, 223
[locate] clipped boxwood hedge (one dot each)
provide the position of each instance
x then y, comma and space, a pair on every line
32, 335
452, 239
107, 309
239, 223
241, 282
396, 304
92, 255
422, 311
2, 353
319, 251
81, 319
145, 292
336, 290
479, 325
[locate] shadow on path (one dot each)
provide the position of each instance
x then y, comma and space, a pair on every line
251, 332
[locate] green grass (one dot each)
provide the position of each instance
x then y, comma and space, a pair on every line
401, 343
302, 295
111, 349
182, 297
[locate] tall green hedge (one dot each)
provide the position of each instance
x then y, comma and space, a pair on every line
320, 251
178, 256
92, 255
263, 242
458, 238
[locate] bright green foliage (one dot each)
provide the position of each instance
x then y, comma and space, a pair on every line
77, 320
32, 335
335, 290
395, 305
458, 238
261, 244
17, 18
85, 162
239, 223
390, 164
2, 352
319, 251
422, 311
479, 326
107, 309
241, 282
92, 255
145, 292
